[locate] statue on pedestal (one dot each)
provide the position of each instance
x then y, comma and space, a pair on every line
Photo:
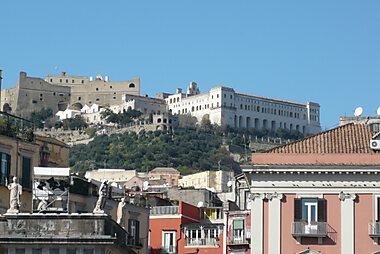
100, 204
14, 197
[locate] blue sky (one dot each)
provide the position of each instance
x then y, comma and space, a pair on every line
323, 51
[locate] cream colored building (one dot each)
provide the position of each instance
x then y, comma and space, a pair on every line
214, 180
112, 175
59, 92
225, 107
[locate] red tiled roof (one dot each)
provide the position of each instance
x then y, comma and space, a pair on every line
345, 145
350, 138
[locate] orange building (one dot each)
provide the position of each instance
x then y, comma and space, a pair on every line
318, 195
185, 229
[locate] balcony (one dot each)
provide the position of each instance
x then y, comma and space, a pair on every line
374, 229
313, 229
168, 249
204, 242
237, 240
16, 127
159, 210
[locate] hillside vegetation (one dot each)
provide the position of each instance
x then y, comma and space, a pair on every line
190, 149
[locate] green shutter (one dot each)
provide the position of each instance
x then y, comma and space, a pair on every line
238, 224
26, 171
137, 237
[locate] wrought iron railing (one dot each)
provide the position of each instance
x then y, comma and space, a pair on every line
202, 242
312, 229
14, 126
374, 229
168, 250
238, 240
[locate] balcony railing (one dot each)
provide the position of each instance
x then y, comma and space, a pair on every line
14, 126
313, 229
213, 242
374, 229
237, 240
168, 250
158, 210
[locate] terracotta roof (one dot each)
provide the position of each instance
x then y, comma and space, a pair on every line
164, 170
350, 138
345, 145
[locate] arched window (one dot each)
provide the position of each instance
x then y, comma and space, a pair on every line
132, 85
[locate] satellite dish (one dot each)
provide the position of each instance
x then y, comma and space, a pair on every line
200, 204
145, 185
358, 111
378, 111
229, 183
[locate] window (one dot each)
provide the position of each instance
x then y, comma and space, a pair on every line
72, 81
212, 214
79, 98
97, 89
67, 81
201, 236
238, 230
132, 85
37, 251
111, 87
5, 167
71, 251
26, 172
54, 251
310, 210
88, 251
168, 242
134, 232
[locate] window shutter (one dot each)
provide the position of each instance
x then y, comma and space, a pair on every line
137, 237
322, 210
8, 167
297, 209
26, 172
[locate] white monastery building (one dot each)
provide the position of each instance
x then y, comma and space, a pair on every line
225, 107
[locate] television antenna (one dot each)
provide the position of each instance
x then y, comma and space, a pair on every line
358, 111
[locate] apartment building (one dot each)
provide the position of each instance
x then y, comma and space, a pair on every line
225, 107
317, 195
186, 229
214, 180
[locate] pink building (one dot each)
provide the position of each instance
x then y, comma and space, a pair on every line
318, 195
238, 232
186, 229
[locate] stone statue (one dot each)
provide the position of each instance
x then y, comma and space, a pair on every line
119, 212
103, 190
14, 197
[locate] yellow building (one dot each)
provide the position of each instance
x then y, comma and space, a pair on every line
20, 151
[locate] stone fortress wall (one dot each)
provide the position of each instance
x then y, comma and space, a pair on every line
57, 92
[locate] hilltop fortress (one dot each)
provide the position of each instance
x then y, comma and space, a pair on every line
73, 95
58, 92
